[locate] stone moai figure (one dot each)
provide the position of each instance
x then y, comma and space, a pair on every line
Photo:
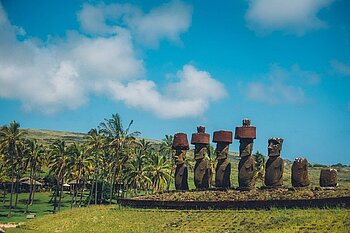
300, 177
223, 168
274, 165
180, 145
328, 178
246, 167
202, 170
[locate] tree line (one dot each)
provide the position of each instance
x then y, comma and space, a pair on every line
110, 161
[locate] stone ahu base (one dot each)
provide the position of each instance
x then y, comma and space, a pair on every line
258, 198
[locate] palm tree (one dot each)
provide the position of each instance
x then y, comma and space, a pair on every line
10, 143
136, 173
160, 171
166, 146
95, 143
58, 161
79, 166
34, 154
120, 140
166, 150
4, 176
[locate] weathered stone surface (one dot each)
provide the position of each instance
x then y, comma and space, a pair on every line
181, 177
275, 146
300, 176
246, 172
181, 172
223, 136
328, 178
223, 172
180, 142
202, 170
245, 147
200, 136
246, 167
202, 174
274, 171
221, 150
30, 216
179, 156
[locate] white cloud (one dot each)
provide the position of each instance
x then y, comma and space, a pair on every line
167, 21
189, 96
340, 67
281, 86
55, 75
292, 16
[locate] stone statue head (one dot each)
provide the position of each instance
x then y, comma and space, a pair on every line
245, 147
200, 150
223, 139
275, 146
221, 150
179, 157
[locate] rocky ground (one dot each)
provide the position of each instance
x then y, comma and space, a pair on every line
255, 194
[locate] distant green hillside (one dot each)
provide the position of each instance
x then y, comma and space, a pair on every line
48, 136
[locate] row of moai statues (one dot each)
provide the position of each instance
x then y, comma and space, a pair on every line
246, 168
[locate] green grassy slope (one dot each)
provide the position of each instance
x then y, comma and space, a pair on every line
116, 219
48, 136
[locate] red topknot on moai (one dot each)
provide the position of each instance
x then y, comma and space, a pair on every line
202, 170
223, 168
246, 167
180, 145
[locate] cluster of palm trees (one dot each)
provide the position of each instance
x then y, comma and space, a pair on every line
110, 161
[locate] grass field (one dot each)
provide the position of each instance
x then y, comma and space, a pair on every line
40, 207
116, 219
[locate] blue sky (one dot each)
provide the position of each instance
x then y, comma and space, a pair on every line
173, 65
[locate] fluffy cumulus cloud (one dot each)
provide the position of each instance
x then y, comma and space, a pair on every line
340, 67
167, 21
51, 76
189, 95
281, 86
291, 16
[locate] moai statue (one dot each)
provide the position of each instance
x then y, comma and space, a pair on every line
223, 167
274, 165
246, 167
300, 176
328, 178
202, 170
180, 145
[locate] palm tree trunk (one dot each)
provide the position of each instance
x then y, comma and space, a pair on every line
12, 186
4, 195
112, 184
56, 193
102, 188
30, 190
17, 189
34, 189
71, 202
82, 193
60, 198
96, 184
